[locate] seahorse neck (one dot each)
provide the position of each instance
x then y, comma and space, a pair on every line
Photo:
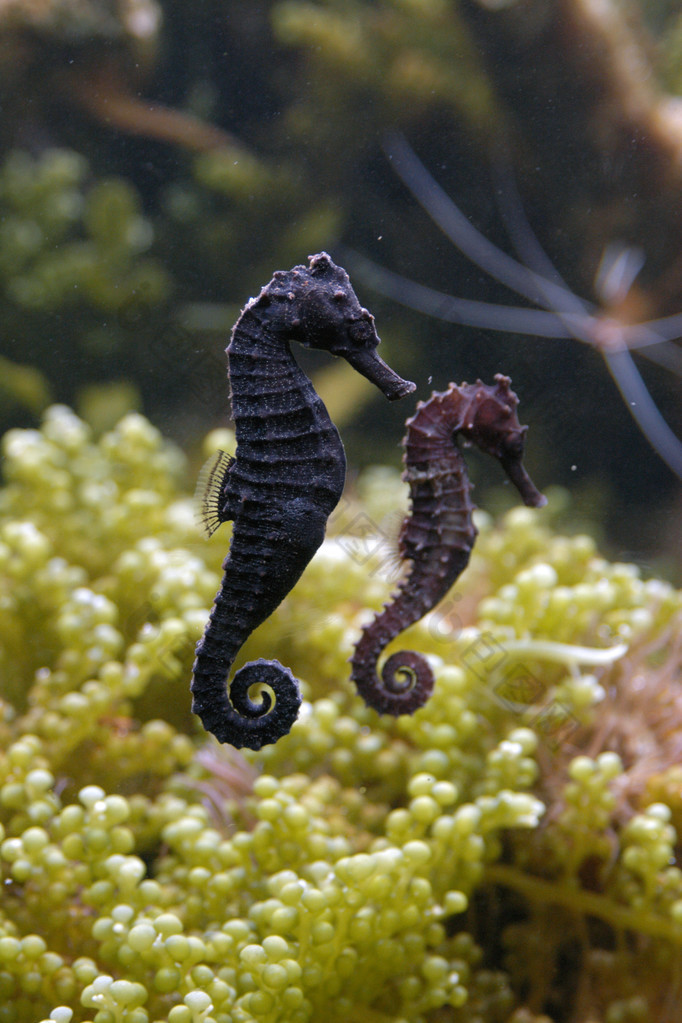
258, 355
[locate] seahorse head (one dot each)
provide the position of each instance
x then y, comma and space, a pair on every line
489, 417
489, 420
317, 306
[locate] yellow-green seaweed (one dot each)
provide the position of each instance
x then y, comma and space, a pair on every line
429, 868
62, 244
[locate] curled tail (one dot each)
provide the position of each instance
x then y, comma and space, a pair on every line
405, 681
232, 716
266, 559
228, 711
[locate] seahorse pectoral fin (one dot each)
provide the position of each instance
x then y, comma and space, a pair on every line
209, 495
372, 366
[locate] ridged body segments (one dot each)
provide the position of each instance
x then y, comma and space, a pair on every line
439, 533
285, 480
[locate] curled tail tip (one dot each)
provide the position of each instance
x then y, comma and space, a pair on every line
233, 717
405, 684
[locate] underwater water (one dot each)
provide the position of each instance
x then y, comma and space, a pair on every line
502, 183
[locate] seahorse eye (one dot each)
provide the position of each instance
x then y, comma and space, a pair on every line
362, 331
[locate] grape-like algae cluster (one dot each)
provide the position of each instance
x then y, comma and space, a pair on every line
429, 867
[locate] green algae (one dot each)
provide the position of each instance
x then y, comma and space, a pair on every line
150, 874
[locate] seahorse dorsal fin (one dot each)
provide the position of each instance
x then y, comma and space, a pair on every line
208, 495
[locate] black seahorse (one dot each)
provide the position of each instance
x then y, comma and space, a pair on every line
438, 535
286, 479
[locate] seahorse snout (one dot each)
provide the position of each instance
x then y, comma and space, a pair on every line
372, 366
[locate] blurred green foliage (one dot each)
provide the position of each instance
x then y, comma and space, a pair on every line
101, 269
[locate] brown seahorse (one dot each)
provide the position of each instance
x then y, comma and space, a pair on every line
439, 533
286, 479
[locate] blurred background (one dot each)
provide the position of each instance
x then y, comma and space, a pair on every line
160, 160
